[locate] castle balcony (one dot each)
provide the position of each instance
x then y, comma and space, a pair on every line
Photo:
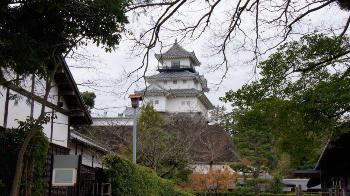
164, 68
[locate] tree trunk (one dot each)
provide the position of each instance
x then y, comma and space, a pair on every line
256, 177
19, 165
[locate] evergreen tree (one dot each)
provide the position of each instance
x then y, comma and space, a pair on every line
158, 149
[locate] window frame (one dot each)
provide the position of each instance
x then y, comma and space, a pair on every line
176, 63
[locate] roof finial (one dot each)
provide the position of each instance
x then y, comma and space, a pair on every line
175, 40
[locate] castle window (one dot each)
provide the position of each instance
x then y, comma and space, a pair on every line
175, 64
165, 82
188, 102
174, 81
184, 81
156, 102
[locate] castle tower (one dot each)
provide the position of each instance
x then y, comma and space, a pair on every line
177, 88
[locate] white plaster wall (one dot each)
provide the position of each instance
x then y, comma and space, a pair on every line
86, 155
183, 61
60, 127
202, 108
21, 111
39, 90
116, 121
162, 102
26, 83
2, 104
18, 109
37, 111
179, 104
180, 84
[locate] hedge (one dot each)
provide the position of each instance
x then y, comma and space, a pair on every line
33, 176
234, 193
130, 179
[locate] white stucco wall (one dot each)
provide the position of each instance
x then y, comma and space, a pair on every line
115, 121
183, 61
177, 104
19, 109
160, 106
182, 104
90, 157
203, 108
60, 127
180, 84
2, 104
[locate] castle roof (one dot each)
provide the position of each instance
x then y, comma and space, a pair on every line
179, 75
176, 51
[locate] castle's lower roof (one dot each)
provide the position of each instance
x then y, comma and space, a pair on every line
179, 75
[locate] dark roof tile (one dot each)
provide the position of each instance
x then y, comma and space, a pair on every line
176, 51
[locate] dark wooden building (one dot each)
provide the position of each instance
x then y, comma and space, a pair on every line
332, 170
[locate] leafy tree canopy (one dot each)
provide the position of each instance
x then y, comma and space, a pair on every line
89, 99
32, 32
303, 96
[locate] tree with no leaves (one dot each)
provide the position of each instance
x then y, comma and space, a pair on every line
253, 26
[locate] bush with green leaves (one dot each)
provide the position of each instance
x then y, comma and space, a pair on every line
242, 192
33, 180
131, 179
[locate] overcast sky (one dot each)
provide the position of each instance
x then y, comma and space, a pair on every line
108, 71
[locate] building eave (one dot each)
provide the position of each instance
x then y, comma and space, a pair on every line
65, 82
75, 136
204, 99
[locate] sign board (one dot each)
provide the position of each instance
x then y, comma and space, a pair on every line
65, 170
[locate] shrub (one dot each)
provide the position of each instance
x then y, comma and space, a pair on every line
130, 179
32, 182
214, 180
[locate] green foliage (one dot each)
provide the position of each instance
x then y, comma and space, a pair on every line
33, 180
276, 185
244, 192
160, 150
134, 180
220, 116
32, 33
149, 119
255, 143
302, 97
254, 140
89, 99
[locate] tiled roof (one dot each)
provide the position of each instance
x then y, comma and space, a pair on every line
176, 51
177, 92
129, 111
86, 140
180, 75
